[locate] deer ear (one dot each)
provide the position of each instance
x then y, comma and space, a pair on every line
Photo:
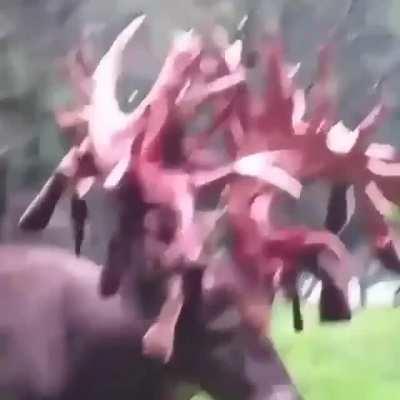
38, 213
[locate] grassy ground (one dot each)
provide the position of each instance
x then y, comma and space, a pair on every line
355, 361
358, 360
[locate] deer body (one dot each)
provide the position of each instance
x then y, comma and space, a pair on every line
56, 330
61, 340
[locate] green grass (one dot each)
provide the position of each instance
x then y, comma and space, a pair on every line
359, 360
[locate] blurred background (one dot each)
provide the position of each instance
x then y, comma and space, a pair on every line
341, 362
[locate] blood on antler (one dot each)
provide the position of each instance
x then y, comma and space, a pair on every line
271, 143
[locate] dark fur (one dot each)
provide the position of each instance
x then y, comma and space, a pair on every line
61, 341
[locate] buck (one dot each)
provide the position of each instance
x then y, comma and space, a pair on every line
61, 340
